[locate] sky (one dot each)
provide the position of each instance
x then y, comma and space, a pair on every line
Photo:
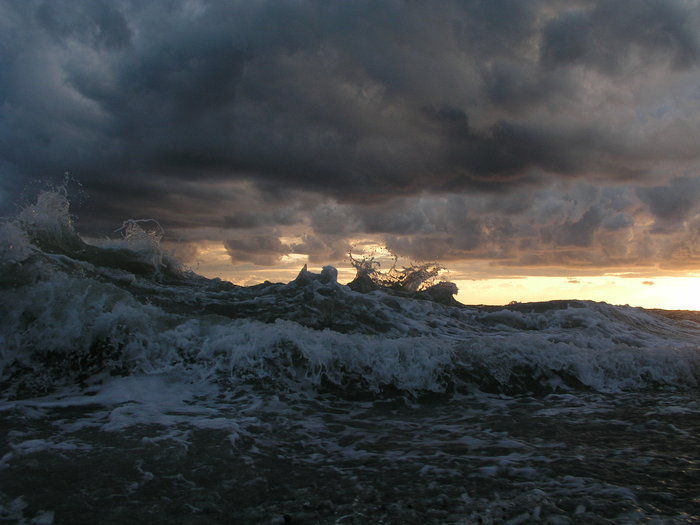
538, 149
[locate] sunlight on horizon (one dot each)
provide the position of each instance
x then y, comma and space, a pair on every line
667, 292
671, 293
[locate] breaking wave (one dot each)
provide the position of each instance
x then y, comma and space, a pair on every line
73, 313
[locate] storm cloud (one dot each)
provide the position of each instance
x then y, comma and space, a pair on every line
528, 133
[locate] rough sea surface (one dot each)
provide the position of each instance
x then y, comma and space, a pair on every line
134, 391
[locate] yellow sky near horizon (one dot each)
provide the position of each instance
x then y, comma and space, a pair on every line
671, 293
652, 289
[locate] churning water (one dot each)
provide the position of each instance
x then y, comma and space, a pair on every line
136, 391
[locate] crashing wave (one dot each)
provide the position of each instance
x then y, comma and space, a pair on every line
416, 280
46, 228
75, 313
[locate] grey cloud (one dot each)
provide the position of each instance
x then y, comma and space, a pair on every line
265, 250
566, 39
518, 87
616, 34
617, 222
253, 219
97, 23
328, 98
323, 249
509, 154
458, 132
566, 226
578, 225
398, 217
580, 232
489, 21
332, 219
419, 247
672, 203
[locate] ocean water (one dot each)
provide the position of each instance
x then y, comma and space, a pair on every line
133, 390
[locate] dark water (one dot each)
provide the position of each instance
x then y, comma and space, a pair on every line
585, 458
135, 391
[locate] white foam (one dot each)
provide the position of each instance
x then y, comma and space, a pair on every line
71, 314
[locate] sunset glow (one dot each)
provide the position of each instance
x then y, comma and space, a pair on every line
650, 291
676, 293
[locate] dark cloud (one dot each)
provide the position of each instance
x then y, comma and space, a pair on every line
615, 35
252, 219
672, 203
323, 248
515, 87
98, 24
265, 250
525, 132
505, 152
580, 232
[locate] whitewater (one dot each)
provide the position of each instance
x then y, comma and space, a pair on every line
134, 390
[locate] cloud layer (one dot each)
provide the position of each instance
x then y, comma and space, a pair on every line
529, 133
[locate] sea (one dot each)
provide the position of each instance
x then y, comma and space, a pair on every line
133, 390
